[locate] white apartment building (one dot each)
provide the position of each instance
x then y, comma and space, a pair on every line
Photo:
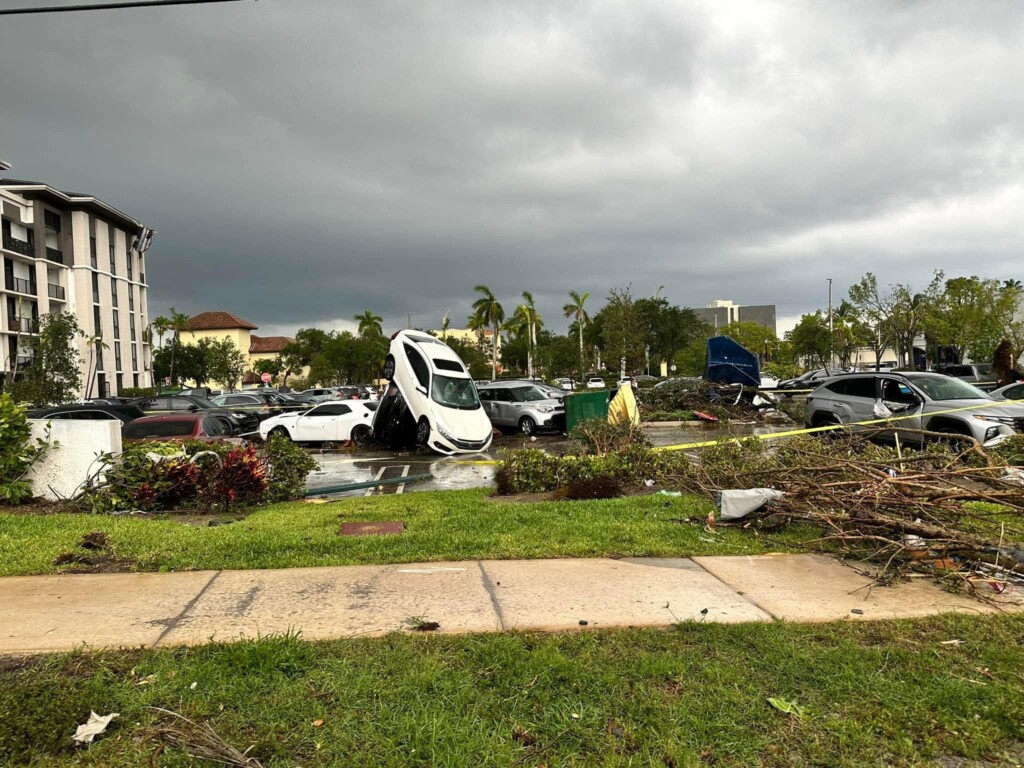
69, 252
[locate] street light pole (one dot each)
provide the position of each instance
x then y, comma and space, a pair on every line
831, 339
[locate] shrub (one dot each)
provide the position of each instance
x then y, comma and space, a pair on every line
599, 437
1011, 450
18, 451
137, 392
533, 471
289, 465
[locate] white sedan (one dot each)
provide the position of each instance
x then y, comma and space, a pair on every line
333, 422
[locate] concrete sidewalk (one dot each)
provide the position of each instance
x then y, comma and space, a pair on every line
51, 613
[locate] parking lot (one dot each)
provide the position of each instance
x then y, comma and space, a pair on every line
475, 471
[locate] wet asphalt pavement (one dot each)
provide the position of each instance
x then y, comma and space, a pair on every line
459, 472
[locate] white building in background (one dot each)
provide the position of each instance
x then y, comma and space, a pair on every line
70, 252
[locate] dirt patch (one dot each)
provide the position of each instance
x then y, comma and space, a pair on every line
16, 664
94, 554
1011, 757
40, 506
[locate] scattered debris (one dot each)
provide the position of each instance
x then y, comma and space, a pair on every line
420, 624
93, 727
857, 611
201, 741
789, 707
95, 541
584, 622
735, 505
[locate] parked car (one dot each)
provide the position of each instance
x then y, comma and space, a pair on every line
331, 422
185, 426
91, 411
1009, 392
595, 382
920, 396
808, 380
439, 398
979, 374
263, 404
556, 392
522, 406
242, 421
565, 383
320, 394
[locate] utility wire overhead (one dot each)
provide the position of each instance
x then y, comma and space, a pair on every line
106, 6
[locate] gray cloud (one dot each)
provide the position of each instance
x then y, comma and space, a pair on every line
306, 159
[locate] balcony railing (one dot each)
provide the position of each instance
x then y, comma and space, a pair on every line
24, 361
20, 285
56, 292
52, 254
23, 247
20, 324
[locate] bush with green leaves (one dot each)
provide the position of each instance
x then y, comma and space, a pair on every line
18, 451
289, 466
534, 471
599, 437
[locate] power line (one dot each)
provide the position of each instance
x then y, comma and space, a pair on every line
107, 6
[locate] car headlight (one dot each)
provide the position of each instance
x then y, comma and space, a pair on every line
238, 414
445, 434
545, 408
1009, 420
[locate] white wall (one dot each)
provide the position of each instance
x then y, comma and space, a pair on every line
75, 446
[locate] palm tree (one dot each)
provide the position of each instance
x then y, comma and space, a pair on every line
575, 310
489, 312
179, 322
95, 343
160, 326
369, 324
445, 322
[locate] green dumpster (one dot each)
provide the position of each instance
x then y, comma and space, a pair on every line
580, 406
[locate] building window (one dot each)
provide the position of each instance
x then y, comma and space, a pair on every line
95, 288
128, 263
120, 384
135, 360
117, 328
92, 252
97, 325
113, 263
131, 324
51, 220
117, 357
135, 378
113, 292
131, 297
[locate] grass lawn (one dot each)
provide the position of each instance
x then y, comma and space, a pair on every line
440, 525
887, 693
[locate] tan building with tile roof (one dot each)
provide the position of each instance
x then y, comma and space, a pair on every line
225, 325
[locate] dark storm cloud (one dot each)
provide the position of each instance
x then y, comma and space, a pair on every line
304, 159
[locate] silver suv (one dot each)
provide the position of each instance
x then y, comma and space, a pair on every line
521, 405
922, 400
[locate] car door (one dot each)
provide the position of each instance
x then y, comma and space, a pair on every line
487, 402
313, 424
905, 404
857, 403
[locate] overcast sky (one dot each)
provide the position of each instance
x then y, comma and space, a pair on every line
304, 160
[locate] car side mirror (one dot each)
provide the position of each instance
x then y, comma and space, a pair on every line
193, 408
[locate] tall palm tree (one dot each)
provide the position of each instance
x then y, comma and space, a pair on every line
488, 310
536, 323
369, 324
445, 322
160, 326
178, 323
575, 309
95, 343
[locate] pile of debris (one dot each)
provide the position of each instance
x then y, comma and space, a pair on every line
958, 514
709, 401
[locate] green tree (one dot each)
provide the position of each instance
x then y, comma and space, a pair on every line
179, 323
667, 328
475, 360
624, 337
810, 340
160, 325
369, 324
489, 312
309, 342
964, 315
874, 310
53, 376
225, 362
754, 336
271, 365
576, 311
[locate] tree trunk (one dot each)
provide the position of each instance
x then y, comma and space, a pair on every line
494, 354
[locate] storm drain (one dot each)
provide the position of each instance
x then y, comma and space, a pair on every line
386, 528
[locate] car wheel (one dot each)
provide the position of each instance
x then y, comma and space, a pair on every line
527, 426
389, 368
827, 420
361, 434
280, 432
959, 439
423, 431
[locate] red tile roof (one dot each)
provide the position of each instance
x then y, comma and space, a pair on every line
218, 321
265, 344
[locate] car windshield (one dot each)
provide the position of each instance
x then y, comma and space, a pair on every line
529, 394
947, 388
454, 393
202, 402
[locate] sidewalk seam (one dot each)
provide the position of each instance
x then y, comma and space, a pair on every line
489, 587
173, 623
744, 595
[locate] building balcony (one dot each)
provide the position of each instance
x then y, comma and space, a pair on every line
20, 285
56, 292
20, 324
52, 254
23, 247
24, 361
142, 277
